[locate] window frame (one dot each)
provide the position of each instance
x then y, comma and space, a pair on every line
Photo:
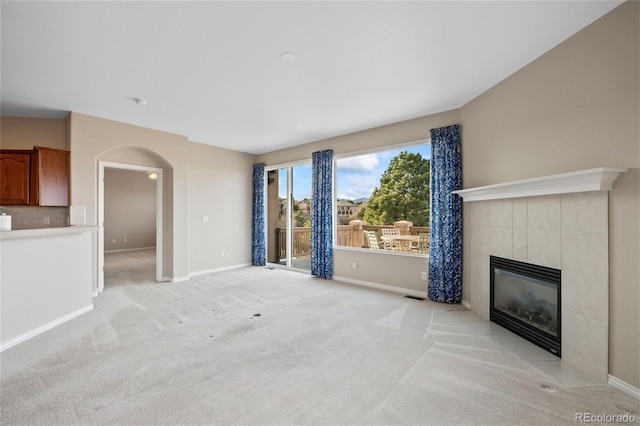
289, 166
426, 141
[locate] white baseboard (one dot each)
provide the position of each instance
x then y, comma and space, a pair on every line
204, 272
175, 279
466, 304
45, 327
624, 386
211, 271
394, 289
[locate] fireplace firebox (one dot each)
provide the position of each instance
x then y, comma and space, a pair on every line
525, 299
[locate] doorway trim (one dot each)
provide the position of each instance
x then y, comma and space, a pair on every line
159, 222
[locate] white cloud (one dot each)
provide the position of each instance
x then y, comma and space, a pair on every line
364, 163
353, 186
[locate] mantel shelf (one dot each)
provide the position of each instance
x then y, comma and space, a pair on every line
582, 181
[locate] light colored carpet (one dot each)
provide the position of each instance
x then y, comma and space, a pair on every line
320, 352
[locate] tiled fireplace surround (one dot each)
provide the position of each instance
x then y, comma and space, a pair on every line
569, 232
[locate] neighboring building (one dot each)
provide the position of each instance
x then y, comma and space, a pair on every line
348, 210
304, 206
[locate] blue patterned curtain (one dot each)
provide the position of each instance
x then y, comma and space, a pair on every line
322, 214
258, 246
445, 251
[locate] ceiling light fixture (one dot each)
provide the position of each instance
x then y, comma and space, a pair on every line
288, 57
141, 101
152, 175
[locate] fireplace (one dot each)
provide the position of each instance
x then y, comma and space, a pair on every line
525, 299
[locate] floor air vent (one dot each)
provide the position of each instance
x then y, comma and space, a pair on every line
414, 297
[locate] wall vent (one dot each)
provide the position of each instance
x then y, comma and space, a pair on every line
414, 297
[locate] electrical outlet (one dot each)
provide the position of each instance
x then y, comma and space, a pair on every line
221, 253
354, 265
424, 276
124, 240
205, 218
113, 241
46, 220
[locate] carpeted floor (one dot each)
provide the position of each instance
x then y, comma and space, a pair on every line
270, 346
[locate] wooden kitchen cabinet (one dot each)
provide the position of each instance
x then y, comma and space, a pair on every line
38, 177
52, 176
15, 177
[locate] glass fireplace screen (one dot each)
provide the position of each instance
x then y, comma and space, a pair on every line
525, 299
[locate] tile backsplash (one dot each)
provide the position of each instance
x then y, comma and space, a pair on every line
23, 217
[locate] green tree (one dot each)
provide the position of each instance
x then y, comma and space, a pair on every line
362, 212
300, 218
403, 193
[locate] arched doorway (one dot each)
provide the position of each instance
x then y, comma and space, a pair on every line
143, 161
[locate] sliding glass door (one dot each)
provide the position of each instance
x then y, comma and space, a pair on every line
289, 216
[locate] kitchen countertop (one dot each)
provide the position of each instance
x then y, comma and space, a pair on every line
44, 232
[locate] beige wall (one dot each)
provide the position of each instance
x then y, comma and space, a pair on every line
198, 179
401, 273
576, 107
129, 210
25, 133
379, 137
220, 188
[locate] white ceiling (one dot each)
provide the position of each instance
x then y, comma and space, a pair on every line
212, 71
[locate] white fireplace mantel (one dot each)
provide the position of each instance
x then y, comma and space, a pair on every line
582, 181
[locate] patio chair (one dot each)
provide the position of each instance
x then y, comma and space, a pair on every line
423, 243
372, 239
391, 244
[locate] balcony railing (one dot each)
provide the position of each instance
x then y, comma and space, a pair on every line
351, 235
301, 242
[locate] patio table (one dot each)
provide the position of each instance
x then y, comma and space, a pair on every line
403, 240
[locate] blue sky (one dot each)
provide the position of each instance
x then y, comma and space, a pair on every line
357, 176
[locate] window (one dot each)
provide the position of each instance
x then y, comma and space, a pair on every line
386, 190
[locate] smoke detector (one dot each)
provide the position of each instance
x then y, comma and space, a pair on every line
288, 57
